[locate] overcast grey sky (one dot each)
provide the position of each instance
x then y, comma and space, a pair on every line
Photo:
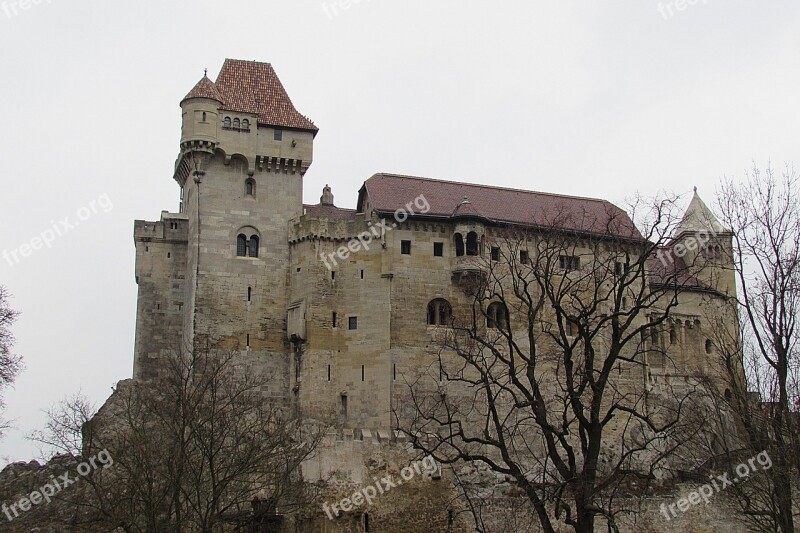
595, 98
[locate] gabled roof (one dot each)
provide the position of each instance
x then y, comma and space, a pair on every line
253, 87
699, 218
389, 192
205, 88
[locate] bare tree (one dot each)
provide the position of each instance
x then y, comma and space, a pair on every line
10, 363
198, 448
544, 373
764, 215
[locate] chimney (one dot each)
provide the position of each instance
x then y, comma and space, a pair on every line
327, 196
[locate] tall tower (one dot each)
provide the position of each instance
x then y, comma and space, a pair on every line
244, 149
706, 247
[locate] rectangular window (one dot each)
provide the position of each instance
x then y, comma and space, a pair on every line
405, 247
572, 328
495, 253
523, 257
333, 274
569, 262
333, 319
438, 249
278, 134
621, 268
352, 322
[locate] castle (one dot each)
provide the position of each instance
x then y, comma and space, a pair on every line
337, 305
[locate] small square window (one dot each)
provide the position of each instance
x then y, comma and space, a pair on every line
352, 322
438, 249
569, 262
278, 135
495, 253
523, 257
405, 247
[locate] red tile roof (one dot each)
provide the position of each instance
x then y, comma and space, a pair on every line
252, 87
389, 192
205, 88
330, 211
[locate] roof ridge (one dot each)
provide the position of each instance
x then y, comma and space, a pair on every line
494, 187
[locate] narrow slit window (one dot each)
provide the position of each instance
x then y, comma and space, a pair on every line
333, 319
329, 372
362, 373
249, 294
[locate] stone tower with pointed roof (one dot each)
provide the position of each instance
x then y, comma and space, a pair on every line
705, 246
243, 152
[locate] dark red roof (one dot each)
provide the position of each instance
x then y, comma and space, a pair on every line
329, 211
666, 269
389, 192
205, 88
252, 87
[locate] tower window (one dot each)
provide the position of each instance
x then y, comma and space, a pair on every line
496, 316
250, 187
405, 247
439, 312
495, 253
241, 246
352, 322
438, 249
472, 244
254, 246
459, 240
204, 116
249, 294
278, 134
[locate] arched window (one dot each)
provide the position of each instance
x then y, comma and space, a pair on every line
709, 346
241, 246
227, 122
245, 124
717, 252
472, 244
439, 312
728, 395
459, 244
253, 248
250, 187
236, 123
204, 116
672, 335
496, 316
